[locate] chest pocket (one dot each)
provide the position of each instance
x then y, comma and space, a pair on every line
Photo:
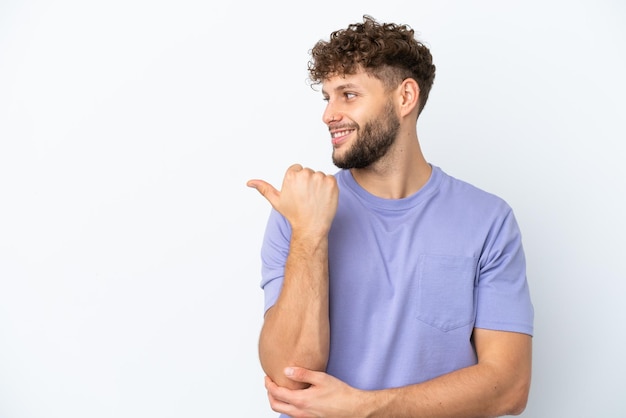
445, 293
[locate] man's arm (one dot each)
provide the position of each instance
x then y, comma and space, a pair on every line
497, 385
296, 329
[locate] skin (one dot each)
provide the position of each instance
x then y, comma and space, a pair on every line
294, 340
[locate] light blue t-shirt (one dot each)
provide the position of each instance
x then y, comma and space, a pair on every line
410, 279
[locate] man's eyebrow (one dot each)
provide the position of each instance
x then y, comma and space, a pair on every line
342, 87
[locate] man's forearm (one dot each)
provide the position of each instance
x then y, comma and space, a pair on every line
296, 329
461, 394
493, 387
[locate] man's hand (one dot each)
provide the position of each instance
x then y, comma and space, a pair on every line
308, 199
326, 396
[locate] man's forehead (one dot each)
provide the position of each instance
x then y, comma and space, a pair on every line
346, 81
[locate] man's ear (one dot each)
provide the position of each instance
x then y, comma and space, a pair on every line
409, 96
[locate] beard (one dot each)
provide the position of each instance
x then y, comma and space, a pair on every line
372, 141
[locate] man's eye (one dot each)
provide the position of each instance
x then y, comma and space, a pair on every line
350, 95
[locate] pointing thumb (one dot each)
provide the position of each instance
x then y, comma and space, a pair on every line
267, 190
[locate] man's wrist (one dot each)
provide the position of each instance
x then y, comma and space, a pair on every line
371, 403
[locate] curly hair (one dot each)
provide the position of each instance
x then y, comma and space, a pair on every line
387, 51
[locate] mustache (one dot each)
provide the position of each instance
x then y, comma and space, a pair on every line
342, 125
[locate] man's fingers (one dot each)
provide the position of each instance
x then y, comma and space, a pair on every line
295, 167
267, 190
300, 374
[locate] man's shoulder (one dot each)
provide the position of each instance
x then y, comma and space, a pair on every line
465, 191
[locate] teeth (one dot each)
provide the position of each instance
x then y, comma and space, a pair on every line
340, 133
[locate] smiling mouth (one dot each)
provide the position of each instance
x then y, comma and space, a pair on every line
338, 137
338, 134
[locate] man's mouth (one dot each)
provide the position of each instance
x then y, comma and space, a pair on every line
339, 135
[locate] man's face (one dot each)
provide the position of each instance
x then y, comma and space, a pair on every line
361, 119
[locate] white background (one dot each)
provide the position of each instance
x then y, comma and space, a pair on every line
129, 244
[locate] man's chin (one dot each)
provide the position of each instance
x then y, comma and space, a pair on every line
340, 163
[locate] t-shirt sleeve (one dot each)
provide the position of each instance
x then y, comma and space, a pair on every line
503, 297
274, 253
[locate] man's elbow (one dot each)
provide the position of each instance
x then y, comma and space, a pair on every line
276, 373
274, 366
517, 398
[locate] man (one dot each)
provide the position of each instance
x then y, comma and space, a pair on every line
391, 288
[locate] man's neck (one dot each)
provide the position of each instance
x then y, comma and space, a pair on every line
400, 173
